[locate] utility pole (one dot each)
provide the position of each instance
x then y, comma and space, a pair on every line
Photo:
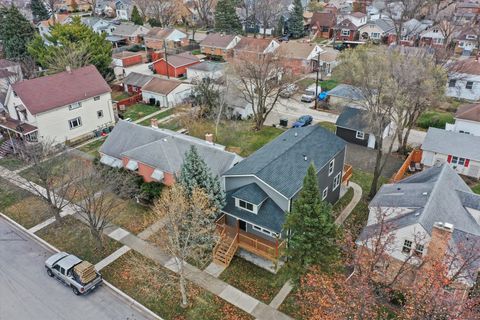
316, 82
166, 59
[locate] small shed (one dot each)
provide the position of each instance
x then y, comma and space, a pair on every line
175, 65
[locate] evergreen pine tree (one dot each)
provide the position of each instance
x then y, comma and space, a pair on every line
226, 18
195, 173
39, 11
313, 232
295, 23
15, 32
136, 17
280, 26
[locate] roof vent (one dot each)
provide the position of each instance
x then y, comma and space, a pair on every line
305, 157
296, 133
425, 193
398, 188
165, 139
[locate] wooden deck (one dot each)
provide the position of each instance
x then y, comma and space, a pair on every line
266, 249
347, 173
414, 157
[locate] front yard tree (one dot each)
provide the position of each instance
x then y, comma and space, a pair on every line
101, 190
195, 174
267, 12
313, 233
136, 17
260, 81
15, 33
189, 228
226, 19
295, 23
39, 11
77, 37
204, 10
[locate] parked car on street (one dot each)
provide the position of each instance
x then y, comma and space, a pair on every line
289, 91
310, 93
75, 273
303, 121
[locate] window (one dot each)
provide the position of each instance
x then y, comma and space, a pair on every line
438, 40
345, 32
257, 228
469, 85
100, 114
75, 123
452, 83
407, 246
331, 167
272, 234
419, 250
360, 135
245, 205
62, 271
96, 98
324, 193
458, 161
325, 29
466, 132
336, 181
375, 35
74, 106
470, 37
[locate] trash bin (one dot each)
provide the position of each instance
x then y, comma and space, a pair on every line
284, 122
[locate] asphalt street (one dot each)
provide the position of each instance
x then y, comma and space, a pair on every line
28, 293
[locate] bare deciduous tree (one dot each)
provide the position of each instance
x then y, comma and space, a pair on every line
189, 228
204, 9
260, 80
165, 11
144, 8
101, 190
267, 12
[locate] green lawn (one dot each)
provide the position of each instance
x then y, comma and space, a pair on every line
12, 163
326, 85
93, 147
119, 95
133, 217
328, 125
159, 116
476, 188
435, 119
139, 110
342, 203
253, 280
156, 288
74, 237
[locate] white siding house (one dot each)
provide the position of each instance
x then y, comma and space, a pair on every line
464, 80
166, 93
467, 120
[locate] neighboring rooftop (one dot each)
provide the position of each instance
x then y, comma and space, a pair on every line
358, 15
217, 40
354, 119
296, 49
126, 54
4, 63
208, 66
137, 79
126, 29
346, 24
469, 112
281, 163
61, 89
321, 19
467, 66
452, 143
159, 33
162, 86
253, 44
346, 91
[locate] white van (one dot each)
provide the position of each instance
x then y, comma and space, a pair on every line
309, 94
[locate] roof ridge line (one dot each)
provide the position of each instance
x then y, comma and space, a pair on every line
434, 189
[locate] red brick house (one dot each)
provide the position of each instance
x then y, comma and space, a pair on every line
346, 31
157, 37
301, 57
254, 47
322, 23
220, 45
158, 154
175, 65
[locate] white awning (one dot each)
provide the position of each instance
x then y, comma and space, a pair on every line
132, 165
157, 175
111, 161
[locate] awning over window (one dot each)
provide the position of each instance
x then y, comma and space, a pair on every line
111, 161
157, 175
132, 165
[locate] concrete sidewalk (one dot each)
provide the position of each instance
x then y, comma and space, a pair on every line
357, 196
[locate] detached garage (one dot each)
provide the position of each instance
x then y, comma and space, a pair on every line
353, 126
166, 93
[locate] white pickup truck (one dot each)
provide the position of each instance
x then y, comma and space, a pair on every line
79, 275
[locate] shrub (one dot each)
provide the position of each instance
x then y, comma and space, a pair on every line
434, 119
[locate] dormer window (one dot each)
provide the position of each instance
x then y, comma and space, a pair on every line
245, 205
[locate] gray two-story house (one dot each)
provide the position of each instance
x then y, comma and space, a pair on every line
261, 189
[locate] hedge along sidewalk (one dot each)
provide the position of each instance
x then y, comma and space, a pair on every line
120, 294
208, 282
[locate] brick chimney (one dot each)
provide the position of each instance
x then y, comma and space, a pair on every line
441, 235
209, 137
154, 123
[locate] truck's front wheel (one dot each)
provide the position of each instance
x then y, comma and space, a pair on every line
49, 272
75, 291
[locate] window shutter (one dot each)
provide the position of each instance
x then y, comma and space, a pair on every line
467, 162
449, 159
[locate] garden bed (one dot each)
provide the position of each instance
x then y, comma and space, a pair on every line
253, 280
73, 236
156, 288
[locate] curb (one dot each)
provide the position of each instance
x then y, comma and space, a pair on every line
122, 295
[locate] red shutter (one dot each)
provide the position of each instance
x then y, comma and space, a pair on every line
467, 162
449, 159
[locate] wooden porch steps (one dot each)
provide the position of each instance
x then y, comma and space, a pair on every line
6, 148
225, 250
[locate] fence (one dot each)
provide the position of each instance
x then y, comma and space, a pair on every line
415, 156
122, 104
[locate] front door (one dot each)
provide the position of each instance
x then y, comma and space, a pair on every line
242, 225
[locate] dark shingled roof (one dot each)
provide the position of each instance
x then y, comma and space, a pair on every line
269, 216
251, 193
137, 79
355, 119
281, 162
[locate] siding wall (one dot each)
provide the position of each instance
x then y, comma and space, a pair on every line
350, 136
431, 158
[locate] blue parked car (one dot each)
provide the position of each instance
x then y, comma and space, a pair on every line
303, 121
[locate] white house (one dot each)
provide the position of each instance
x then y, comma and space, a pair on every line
98, 25
357, 18
467, 40
376, 29
467, 120
206, 70
123, 9
45, 25
464, 80
461, 151
63, 107
166, 93
432, 36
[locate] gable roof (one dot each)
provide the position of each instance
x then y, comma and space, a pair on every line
452, 143
358, 15
467, 66
281, 163
61, 89
469, 112
251, 193
163, 149
217, 40
323, 19
137, 79
126, 29
253, 44
208, 66
161, 86
298, 50
384, 24
160, 33
346, 91
181, 59
355, 119
346, 24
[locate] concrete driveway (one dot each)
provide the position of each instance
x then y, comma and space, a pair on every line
27, 292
